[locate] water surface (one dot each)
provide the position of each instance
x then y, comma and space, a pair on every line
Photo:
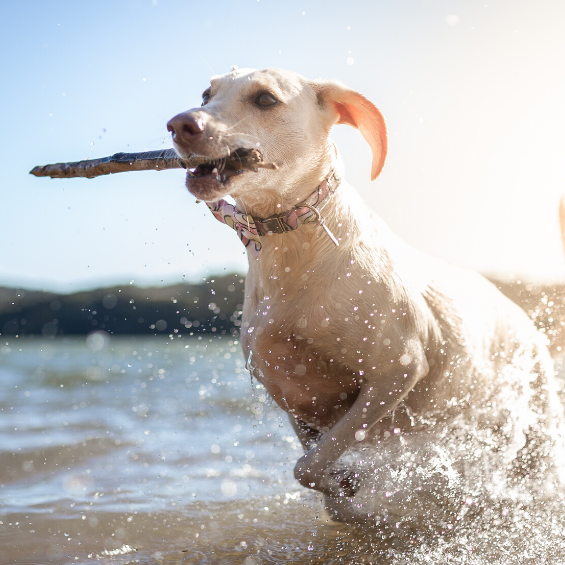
157, 450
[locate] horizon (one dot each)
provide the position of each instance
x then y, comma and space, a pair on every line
91, 285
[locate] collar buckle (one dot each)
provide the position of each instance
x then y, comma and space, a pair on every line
274, 224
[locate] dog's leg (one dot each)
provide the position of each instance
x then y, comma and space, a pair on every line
378, 396
307, 435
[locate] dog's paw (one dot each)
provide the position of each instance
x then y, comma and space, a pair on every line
348, 481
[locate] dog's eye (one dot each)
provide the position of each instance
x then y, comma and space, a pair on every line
205, 97
265, 99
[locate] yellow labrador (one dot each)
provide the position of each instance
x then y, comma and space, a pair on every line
362, 340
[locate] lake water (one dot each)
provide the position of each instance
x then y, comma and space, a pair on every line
156, 450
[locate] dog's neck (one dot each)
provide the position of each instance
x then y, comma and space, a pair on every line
289, 260
285, 258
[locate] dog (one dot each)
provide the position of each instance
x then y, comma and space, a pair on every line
370, 346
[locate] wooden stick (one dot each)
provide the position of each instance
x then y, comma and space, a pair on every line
249, 159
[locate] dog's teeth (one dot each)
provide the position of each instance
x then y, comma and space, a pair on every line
215, 171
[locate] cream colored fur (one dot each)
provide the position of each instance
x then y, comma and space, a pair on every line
343, 336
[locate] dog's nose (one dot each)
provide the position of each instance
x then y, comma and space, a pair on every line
185, 126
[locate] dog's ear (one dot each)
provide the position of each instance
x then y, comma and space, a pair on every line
354, 109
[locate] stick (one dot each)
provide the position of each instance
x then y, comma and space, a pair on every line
249, 159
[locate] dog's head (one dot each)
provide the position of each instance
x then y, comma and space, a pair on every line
286, 118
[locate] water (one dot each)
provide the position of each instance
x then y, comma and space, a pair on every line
160, 451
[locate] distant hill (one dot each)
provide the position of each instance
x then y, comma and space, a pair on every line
213, 306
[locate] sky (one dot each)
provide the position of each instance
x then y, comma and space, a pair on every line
472, 91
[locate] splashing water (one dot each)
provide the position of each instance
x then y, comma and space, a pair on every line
507, 451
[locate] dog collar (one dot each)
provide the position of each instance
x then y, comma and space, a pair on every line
250, 229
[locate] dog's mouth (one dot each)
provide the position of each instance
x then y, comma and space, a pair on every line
211, 179
220, 170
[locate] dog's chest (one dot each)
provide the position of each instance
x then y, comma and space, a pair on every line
300, 378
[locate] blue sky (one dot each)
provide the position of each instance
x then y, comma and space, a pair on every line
472, 93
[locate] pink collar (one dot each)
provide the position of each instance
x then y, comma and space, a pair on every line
251, 229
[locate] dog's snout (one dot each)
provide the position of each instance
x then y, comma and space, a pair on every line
185, 126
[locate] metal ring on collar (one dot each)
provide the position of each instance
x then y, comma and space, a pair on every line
319, 218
